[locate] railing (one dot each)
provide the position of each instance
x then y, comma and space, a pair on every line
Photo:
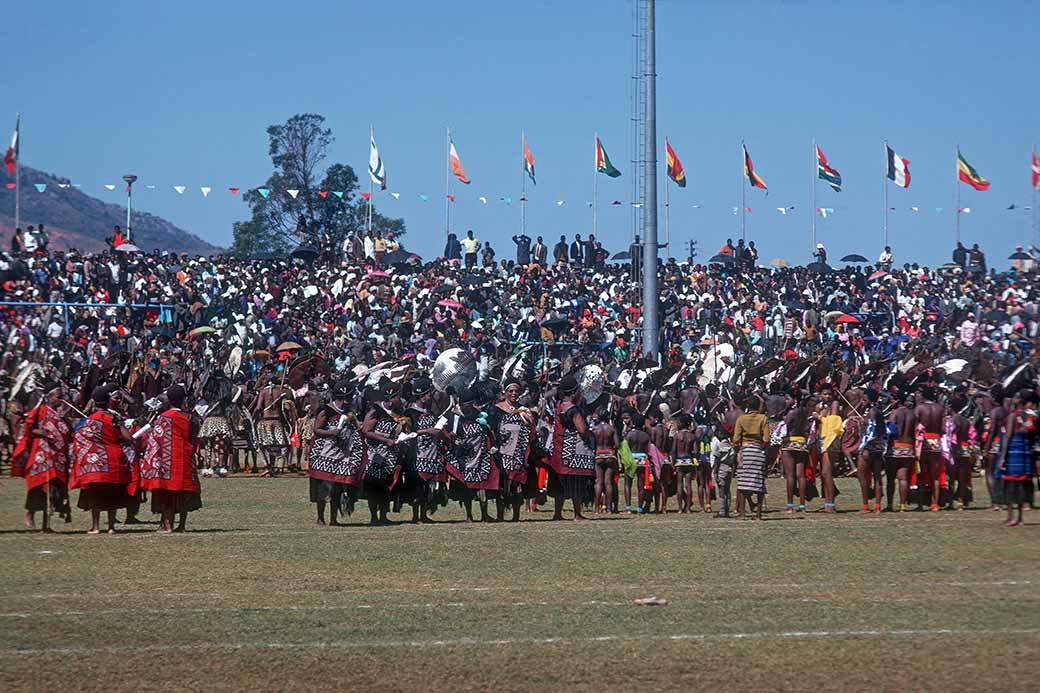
165, 309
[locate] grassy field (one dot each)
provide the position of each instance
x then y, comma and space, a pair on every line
254, 596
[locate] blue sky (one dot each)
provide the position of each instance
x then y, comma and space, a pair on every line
181, 93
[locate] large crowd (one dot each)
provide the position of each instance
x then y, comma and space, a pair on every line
513, 383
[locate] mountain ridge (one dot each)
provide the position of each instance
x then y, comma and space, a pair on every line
74, 219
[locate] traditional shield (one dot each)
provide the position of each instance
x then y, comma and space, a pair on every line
591, 381
454, 369
234, 362
25, 379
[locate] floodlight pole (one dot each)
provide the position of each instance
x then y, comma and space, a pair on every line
129, 178
650, 290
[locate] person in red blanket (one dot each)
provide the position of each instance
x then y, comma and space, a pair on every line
41, 457
100, 468
168, 464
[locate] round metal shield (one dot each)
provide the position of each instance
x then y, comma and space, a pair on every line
454, 369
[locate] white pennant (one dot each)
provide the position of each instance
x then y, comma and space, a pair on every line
180, 189
63, 185
559, 203
293, 193
782, 210
396, 196
483, 200
205, 190
109, 186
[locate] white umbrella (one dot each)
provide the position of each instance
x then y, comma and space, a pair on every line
128, 248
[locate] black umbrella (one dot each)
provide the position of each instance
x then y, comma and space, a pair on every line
854, 258
306, 253
556, 325
442, 289
472, 280
623, 255
401, 257
1019, 255
722, 259
821, 267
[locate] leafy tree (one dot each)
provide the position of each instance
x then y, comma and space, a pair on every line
297, 150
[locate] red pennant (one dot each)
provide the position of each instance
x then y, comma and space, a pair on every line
234, 191
367, 196
10, 186
323, 193
451, 197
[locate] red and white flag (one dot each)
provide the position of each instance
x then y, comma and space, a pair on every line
456, 163
11, 158
1036, 171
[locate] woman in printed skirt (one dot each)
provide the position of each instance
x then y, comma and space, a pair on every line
750, 438
1014, 472
573, 458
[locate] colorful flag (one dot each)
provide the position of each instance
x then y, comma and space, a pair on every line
674, 166
1036, 171
376, 170
528, 160
603, 164
826, 172
969, 175
456, 163
11, 157
898, 168
749, 171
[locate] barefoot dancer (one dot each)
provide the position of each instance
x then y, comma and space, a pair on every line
168, 464
100, 468
335, 460
639, 443
606, 439
41, 456
929, 414
381, 428
901, 457
870, 459
751, 437
431, 450
795, 450
1016, 466
572, 458
470, 464
514, 430
684, 451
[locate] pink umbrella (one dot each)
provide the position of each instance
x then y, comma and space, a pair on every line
449, 303
878, 275
378, 274
846, 319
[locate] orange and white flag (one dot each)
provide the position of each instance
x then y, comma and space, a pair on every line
456, 163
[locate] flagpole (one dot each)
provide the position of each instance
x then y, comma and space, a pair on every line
957, 184
447, 184
371, 139
667, 211
812, 186
884, 193
1036, 216
595, 187
18, 172
523, 183
743, 204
